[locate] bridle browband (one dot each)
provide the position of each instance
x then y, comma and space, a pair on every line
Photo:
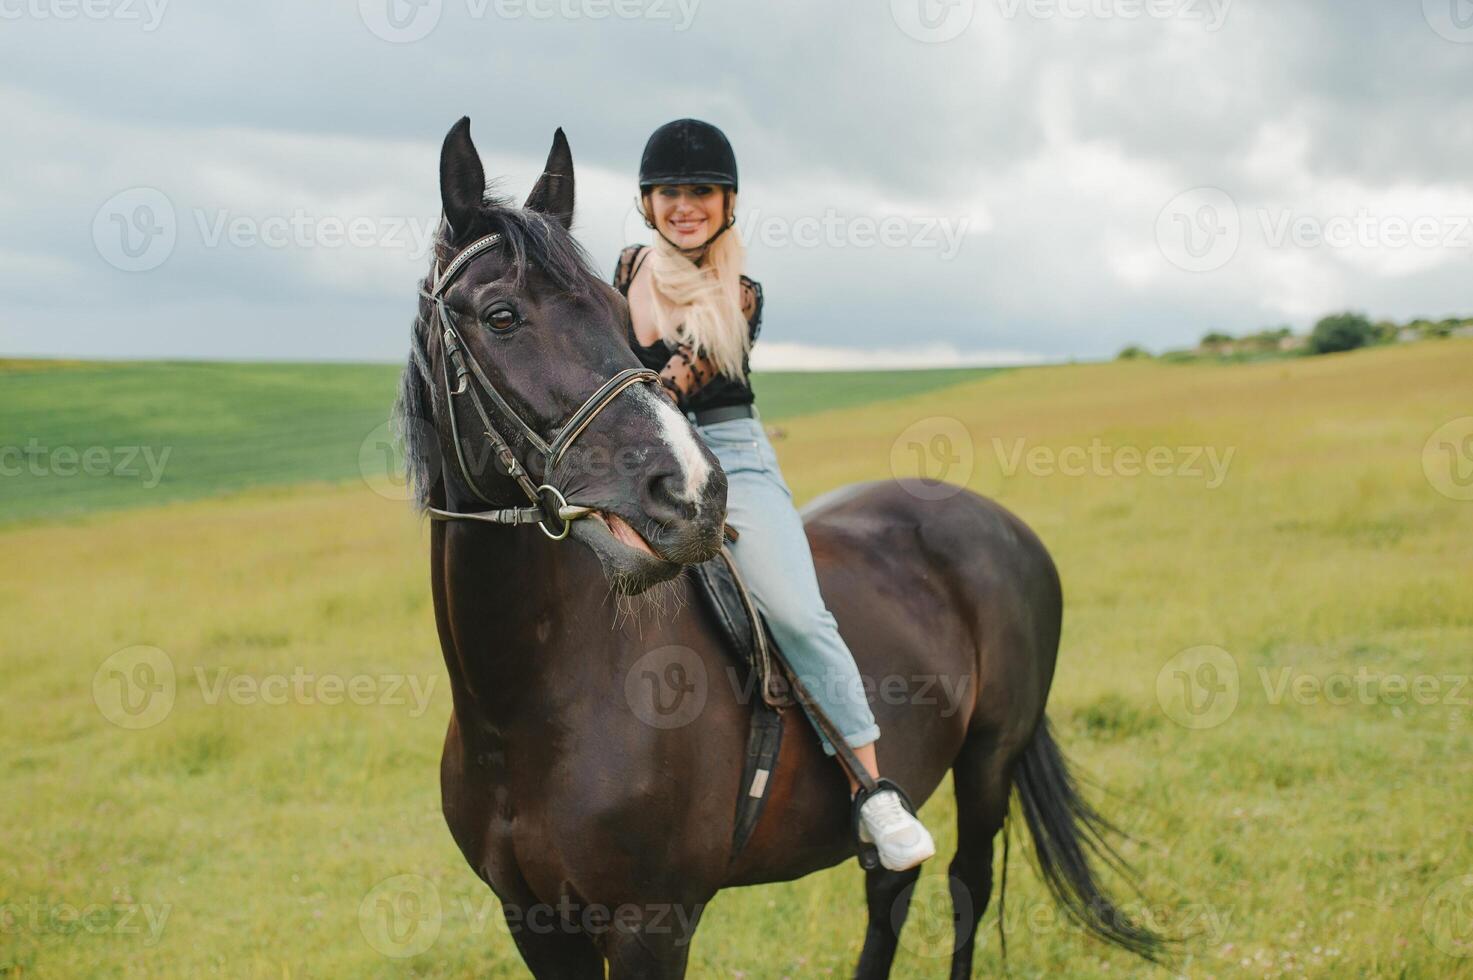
547, 501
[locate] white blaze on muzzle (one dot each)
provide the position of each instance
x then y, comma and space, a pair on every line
683, 443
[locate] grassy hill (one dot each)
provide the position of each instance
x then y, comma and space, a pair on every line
79, 437
1306, 813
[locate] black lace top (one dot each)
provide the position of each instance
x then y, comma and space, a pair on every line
695, 382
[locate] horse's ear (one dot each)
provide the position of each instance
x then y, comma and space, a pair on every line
462, 178
553, 193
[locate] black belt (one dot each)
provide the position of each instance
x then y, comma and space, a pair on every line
710, 416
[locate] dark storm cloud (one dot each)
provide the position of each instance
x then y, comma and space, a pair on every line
1054, 130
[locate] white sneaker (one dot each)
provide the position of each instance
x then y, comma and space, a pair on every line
901, 839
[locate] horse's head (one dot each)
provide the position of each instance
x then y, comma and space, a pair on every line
515, 333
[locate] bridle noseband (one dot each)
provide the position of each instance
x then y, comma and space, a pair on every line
548, 502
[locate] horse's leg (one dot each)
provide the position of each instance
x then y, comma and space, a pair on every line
887, 894
652, 940
980, 776
549, 950
648, 956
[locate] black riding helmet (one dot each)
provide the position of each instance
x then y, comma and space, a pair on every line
688, 151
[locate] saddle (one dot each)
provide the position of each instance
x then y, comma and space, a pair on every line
768, 674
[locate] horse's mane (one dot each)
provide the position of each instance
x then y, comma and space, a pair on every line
533, 240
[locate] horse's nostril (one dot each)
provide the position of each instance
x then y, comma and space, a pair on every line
665, 497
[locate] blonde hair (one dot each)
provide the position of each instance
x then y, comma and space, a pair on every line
701, 305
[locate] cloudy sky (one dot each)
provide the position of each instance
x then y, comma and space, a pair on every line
923, 181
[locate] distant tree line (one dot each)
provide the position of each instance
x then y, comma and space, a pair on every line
1332, 334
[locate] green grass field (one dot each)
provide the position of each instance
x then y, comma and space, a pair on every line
79, 437
1265, 662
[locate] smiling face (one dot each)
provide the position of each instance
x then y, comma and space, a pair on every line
687, 214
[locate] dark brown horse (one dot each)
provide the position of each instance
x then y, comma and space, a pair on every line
592, 762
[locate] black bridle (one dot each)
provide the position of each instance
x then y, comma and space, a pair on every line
547, 502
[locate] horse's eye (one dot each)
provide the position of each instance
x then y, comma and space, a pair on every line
502, 318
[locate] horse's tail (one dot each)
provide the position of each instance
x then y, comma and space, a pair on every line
1066, 830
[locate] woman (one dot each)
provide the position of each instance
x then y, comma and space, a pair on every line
693, 317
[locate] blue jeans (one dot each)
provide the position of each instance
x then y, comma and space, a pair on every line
772, 555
